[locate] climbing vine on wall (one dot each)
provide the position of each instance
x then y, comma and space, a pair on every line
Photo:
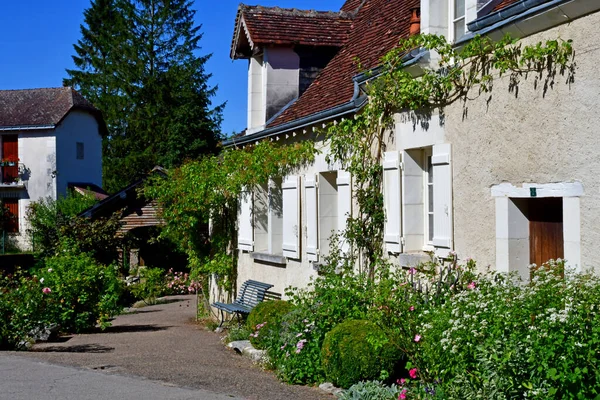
460, 74
209, 190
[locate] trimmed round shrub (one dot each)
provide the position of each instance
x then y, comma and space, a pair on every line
356, 351
265, 321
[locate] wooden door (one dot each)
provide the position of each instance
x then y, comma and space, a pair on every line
545, 230
10, 152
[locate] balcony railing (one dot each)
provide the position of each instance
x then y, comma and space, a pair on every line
11, 174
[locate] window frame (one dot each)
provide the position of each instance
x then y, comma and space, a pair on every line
428, 234
453, 19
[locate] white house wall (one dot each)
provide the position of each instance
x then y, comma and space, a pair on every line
83, 128
531, 138
37, 155
285, 272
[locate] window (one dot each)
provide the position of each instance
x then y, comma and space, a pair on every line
429, 214
268, 217
10, 215
425, 191
79, 150
327, 210
10, 158
457, 19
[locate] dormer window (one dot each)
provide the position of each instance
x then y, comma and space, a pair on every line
457, 20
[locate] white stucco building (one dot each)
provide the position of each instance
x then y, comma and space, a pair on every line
50, 139
513, 181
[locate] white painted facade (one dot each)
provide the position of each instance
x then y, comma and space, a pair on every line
451, 183
48, 162
273, 81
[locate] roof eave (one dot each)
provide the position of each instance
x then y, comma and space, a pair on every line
27, 127
355, 104
513, 12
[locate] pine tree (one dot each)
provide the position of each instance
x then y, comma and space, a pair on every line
153, 87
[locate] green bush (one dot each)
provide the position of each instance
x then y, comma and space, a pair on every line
503, 339
370, 390
71, 290
152, 284
23, 307
81, 292
331, 298
265, 322
358, 350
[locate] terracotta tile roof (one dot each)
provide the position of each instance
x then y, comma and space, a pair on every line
85, 188
377, 28
351, 5
503, 4
284, 26
40, 107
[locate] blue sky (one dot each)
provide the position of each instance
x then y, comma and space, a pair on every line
37, 37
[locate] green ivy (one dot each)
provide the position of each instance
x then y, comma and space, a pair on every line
208, 190
461, 74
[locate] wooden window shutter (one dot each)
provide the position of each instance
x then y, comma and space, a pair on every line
291, 217
312, 217
12, 206
344, 186
10, 152
392, 202
245, 230
442, 195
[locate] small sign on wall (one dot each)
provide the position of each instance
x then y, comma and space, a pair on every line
532, 192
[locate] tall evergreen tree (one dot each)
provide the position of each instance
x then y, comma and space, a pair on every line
141, 67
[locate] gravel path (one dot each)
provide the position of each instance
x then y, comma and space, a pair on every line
162, 343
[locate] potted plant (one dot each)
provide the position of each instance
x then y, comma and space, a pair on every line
9, 162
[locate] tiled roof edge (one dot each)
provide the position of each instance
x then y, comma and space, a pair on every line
355, 104
349, 107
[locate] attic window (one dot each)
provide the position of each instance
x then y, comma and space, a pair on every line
458, 27
79, 150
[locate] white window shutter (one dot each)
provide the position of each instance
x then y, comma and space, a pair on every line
391, 201
245, 231
291, 217
312, 218
442, 195
344, 186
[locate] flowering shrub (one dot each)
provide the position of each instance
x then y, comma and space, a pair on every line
265, 322
71, 290
22, 308
154, 282
79, 292
180, 283
330, 299
504, 339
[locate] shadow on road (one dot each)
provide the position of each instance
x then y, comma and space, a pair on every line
83, 348
133, 328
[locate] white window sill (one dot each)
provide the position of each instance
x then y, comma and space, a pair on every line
269, 258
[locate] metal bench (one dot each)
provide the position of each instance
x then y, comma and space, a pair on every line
251, 293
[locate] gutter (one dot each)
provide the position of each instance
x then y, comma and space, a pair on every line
27, 127
516, 11
356, 103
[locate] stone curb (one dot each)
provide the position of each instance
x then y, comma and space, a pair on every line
245, 348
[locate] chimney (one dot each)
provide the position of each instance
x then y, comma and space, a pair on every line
415, 21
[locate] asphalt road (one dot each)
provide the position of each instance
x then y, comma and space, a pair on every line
28, 379
157, 349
